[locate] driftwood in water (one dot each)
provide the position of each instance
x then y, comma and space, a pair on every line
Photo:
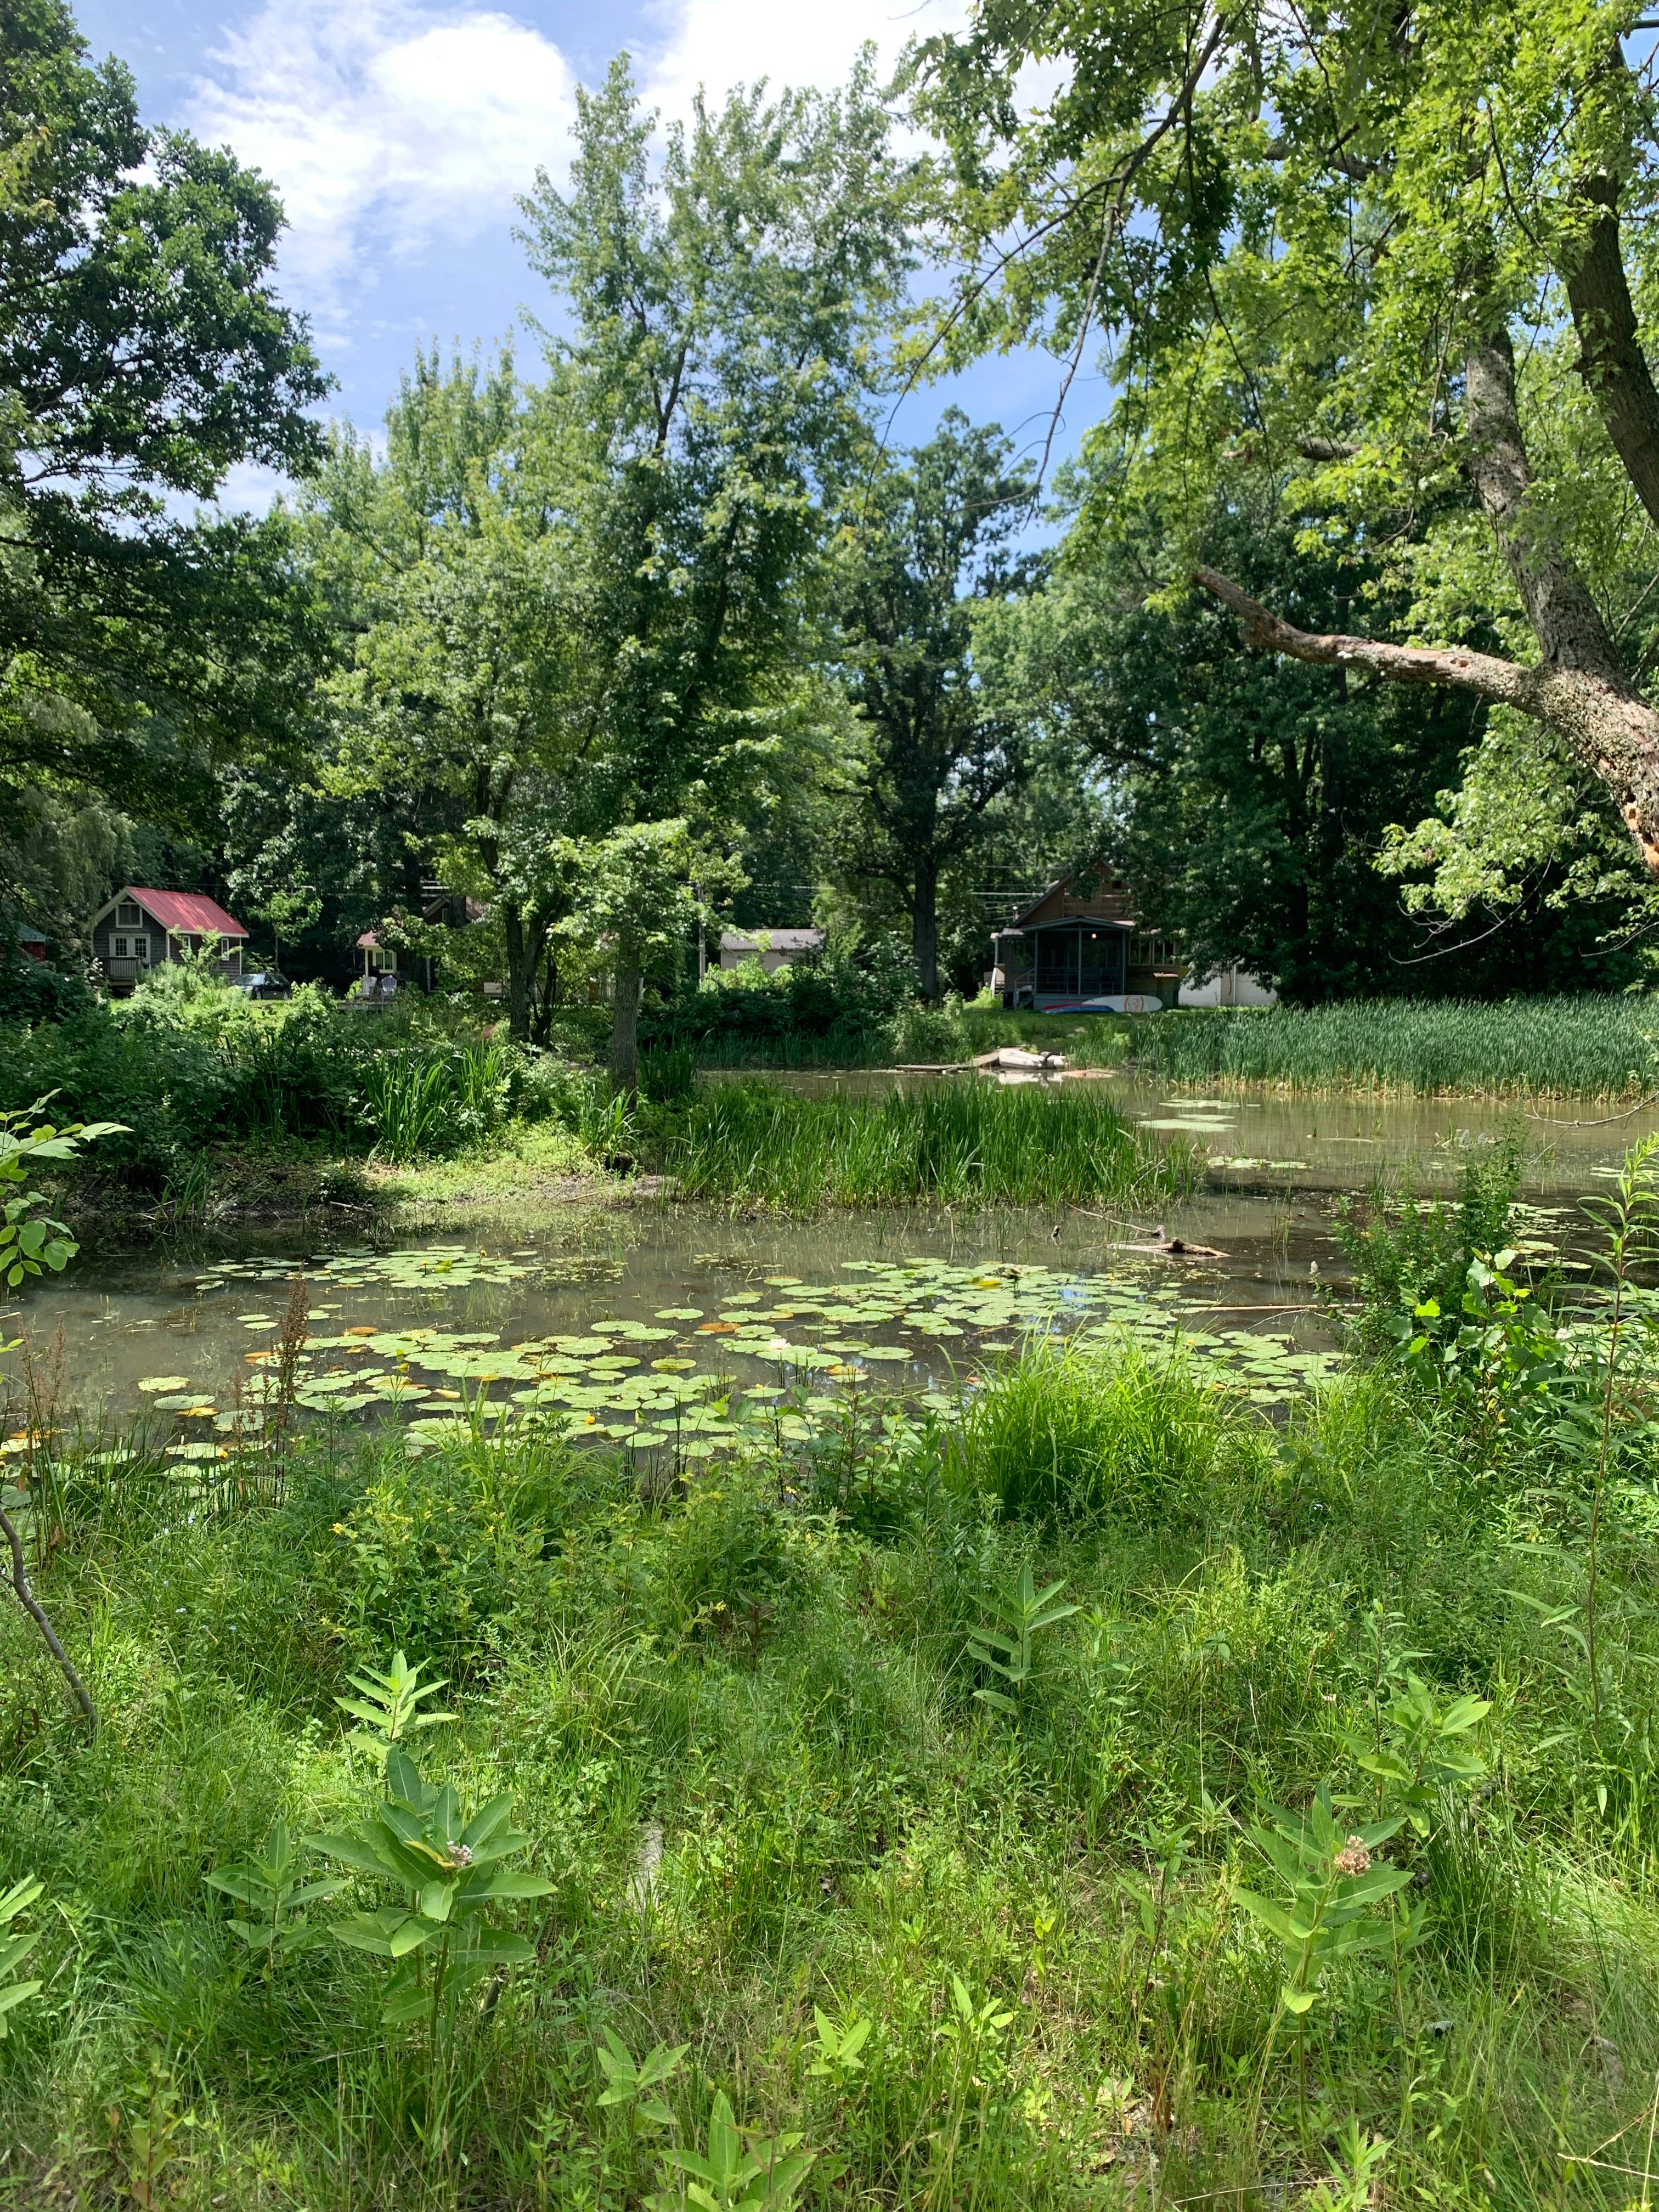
1165, 1247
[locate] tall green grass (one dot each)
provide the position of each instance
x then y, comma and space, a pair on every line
964, 1142
1069, 1430
1588, 1047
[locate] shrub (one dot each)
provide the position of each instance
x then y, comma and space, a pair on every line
1072, 1430
835, 1004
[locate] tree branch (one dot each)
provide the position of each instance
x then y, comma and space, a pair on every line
36, 1611
1607, 725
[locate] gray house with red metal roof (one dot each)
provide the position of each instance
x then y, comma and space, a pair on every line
139, 929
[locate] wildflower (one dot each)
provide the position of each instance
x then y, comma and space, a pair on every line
460, 1855
1354, 1858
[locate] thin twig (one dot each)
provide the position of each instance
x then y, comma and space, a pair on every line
32, 1606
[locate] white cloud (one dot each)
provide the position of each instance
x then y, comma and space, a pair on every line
385, 126
717, 43
396, 130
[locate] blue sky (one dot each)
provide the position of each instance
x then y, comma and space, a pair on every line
399, 132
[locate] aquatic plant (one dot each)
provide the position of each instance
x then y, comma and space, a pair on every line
969, 1142
1587, 1047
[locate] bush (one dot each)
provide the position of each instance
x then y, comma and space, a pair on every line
35, 991
1075, 1430
835, 1004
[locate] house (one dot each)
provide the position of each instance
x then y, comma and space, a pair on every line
378, 966
774, 948
1081, 949
1228, 987
139, 929
380, 975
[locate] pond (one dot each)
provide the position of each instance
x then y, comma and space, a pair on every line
665, 1325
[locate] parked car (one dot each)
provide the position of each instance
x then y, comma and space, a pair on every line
264, 983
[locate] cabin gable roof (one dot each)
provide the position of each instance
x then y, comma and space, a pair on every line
185, 913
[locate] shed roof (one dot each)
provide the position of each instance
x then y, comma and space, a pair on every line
190, 913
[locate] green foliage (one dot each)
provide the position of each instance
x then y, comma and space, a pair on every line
1355, 242
1417, 1752
1332, 1880
30, 1241
1069, 1431
15, 1948
433, 1551
422, 1103
840, 2057
935, 750
1409, 1256
757, 1145
766, 2175
387, 1706
144, 353
634, 2087
834, 1006
448, 1868
276, 1927
733, 1712
1009, 1652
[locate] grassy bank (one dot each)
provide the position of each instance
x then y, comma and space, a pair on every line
993, 1950
1585, 1047
969, 1142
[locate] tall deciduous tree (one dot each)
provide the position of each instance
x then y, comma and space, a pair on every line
472, 699
1353, 251
143, 352
725, 312
929, 547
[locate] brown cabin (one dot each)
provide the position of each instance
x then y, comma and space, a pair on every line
1081, 949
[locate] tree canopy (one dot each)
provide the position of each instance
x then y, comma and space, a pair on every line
143, 352
1382, 269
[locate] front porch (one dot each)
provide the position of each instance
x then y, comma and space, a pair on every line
1065, 966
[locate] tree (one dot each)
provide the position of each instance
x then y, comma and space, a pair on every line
143, 352
725, 315
473, 685
1249, 798
929, 547
1366, 258
635, 896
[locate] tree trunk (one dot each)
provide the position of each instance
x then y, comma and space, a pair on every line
1610, 356
625, 1027
924, 927
1565, 620
522, 954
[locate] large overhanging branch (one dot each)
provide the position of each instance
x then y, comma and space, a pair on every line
1607, 725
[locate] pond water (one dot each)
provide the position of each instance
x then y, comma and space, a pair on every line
669, 1326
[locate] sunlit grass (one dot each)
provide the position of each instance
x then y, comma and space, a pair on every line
1586, 1047
969, 1143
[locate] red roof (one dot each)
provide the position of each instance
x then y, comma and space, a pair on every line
368, 942
190, 913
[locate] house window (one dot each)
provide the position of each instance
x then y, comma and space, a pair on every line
141, 949
1150, 951
127, 915
120, 948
